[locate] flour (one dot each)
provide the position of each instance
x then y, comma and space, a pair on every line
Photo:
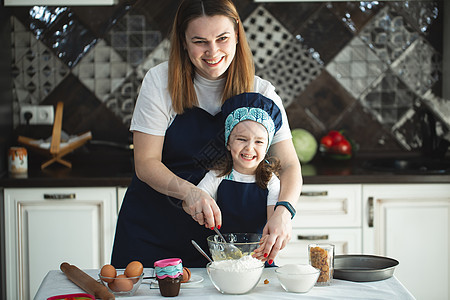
298, 269
236, 276
237, 265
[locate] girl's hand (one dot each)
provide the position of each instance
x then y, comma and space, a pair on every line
276, 235
203, 208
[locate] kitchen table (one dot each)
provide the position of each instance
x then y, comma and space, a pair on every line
56, 283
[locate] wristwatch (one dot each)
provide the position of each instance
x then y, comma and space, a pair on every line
288, 206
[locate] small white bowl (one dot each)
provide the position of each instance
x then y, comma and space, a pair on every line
297, 278
234, 282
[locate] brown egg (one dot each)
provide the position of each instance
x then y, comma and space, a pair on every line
112, 286
133, 269
186, 275
108, 271
121, 284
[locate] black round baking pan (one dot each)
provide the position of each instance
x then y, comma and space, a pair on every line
363, 268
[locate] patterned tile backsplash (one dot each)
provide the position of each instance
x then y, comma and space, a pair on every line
366, 67
356, 67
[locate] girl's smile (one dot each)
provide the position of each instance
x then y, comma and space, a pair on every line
247, 157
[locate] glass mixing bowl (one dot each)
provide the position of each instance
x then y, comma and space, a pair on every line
245, 243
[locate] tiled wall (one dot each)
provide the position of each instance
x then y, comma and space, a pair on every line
6, 124
366, 67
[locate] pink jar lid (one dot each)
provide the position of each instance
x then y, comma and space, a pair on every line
167, 262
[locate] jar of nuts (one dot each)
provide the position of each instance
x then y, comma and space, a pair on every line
321, 256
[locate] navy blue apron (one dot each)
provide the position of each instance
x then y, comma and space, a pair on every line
243, 206
153, 226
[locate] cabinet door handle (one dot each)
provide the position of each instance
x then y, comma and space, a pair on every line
371, 216
312, 237
60, 196
312, 194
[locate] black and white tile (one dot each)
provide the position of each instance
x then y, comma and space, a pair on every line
420, 66
291, 70
266, 36
381, 56
356, 67
36, 70
102, 70
389, 99
388, 34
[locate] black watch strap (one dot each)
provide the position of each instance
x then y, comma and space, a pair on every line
288, 206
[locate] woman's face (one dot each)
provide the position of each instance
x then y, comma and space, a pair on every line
247, 143
211, 45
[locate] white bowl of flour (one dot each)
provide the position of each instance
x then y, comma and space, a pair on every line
235, 276
297, 278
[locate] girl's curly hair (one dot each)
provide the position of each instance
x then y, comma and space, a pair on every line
268, 166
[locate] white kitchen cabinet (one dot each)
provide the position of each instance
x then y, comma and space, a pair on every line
410, 222
47, 226
325, 214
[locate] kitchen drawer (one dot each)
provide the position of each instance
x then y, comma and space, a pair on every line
345, 240
330, 205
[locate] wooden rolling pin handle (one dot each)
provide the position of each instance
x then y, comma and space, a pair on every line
86, 282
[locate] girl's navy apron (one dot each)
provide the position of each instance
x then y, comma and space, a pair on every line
243, 206
153, 226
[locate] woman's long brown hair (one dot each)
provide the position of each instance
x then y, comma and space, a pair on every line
241, 72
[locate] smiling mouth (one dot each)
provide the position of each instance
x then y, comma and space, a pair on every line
247, 157
213, 62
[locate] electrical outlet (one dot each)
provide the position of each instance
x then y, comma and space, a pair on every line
37, 114
45, 115
28, 114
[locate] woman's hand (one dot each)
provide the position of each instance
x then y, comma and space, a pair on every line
278, 229
276, 235
202, 208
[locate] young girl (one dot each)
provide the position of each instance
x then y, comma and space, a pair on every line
246, 179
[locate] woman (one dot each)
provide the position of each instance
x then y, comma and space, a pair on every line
178, 133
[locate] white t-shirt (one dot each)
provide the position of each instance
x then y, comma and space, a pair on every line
153, 112
211, 182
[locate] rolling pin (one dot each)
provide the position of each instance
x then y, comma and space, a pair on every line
86, 282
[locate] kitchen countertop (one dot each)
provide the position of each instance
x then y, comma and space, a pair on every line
114, 167
56, 283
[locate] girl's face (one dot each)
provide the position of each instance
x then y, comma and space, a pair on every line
248, 144
211, 45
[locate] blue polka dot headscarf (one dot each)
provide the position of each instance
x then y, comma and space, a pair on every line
254, 107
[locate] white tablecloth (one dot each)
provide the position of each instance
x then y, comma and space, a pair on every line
56, 283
